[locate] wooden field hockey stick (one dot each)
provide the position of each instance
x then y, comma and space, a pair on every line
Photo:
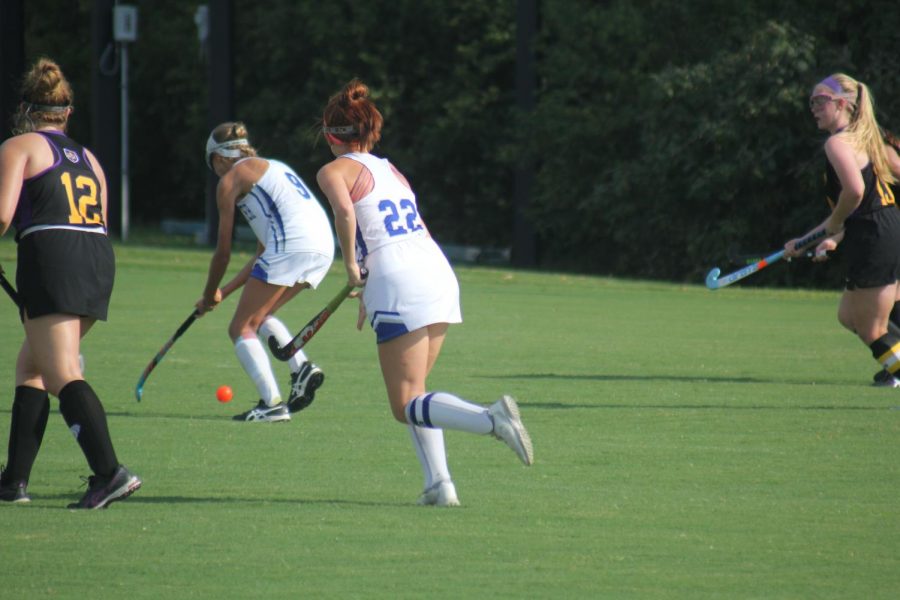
309, 330
139, 389
713, 281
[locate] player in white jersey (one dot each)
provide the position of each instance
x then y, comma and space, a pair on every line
411, 294
295, 250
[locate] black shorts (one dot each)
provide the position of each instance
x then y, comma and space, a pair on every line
872, 250
60, 271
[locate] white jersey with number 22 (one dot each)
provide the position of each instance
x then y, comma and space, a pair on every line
410, 284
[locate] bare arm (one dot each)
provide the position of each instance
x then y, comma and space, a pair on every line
243, 275
331, 181
842, 158
226, 196
13, 161
893, 160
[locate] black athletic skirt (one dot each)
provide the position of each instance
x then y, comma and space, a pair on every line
872, 249
61, 271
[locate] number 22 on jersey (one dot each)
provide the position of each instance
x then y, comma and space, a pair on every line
397, 217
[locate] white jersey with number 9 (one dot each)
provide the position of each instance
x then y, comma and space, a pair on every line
284, 214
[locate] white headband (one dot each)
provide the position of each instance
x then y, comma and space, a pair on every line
226, 149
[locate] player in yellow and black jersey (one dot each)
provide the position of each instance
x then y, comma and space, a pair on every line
53, 192
888, 193
864, 218
892, 151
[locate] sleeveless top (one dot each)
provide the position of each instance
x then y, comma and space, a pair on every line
66, 195
284, 215
389, 213
876, 197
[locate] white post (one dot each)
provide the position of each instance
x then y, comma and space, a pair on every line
124, 31
125, 183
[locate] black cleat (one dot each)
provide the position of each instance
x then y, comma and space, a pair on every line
882, 377
15, 493
102, 491
304, 384
885, 379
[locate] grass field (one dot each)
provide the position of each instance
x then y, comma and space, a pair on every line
688, 444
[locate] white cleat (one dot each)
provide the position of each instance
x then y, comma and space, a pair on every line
442, 493
265, 414
509, 428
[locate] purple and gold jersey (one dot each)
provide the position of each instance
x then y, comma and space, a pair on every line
64, 196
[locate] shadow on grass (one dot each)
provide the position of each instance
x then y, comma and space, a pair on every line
155, 415
235, 500
683, 378
675, 378
141, 498
562, 406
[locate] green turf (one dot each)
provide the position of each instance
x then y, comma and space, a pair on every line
688, 444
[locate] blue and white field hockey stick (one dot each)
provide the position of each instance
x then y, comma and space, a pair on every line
742, 260
713, 281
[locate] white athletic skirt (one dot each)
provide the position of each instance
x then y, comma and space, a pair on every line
410, 285
289, 268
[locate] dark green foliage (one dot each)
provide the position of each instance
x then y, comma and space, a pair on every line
440, 73
664, 133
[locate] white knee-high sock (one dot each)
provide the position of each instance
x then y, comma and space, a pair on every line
253, 358
273, 326
429, 445
443, 410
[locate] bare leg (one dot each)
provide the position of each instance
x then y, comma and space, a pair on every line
258, 299
866, 311
49, 360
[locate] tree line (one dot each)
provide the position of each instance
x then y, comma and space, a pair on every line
664, 135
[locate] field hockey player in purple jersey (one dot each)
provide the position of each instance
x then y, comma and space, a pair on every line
53, 192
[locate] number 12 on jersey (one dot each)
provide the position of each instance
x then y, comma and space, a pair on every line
85, 209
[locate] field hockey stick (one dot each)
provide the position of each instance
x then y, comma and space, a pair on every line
713, 281
291, 348
748, 259
9, 289
139, 390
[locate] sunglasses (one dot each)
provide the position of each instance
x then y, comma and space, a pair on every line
820, 100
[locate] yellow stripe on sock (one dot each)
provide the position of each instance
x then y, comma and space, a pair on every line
894, 351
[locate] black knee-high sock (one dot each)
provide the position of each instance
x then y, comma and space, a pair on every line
30, 410
894, 320
886, 350
86, 419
